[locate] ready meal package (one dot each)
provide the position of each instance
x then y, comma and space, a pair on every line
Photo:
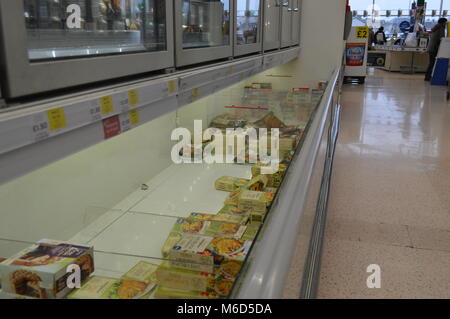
140, 279
40, 271
192, 280
229, 183
210, 228
232, 214
108, 288
204, 253
228, 214
170, 293
254, 201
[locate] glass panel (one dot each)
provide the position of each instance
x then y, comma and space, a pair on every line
205, 23
77, 28
247, 22
137, 208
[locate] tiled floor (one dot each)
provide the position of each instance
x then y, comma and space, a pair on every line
390, 197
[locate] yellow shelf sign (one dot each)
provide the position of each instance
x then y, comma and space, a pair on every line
134, 117
57, 119
195, 93
362, 32
171, 86
107, 104
133, 97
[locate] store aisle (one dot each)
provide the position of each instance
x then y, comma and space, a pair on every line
390, 197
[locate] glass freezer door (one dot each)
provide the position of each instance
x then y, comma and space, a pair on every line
295, 9
73, 42
104, 27
203, 30
248, 27
271, 24
286, 22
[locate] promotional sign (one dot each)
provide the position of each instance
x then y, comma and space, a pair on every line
404, 26
362, 32
355, 53
376, 59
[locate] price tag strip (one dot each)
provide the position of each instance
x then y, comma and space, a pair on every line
39, 123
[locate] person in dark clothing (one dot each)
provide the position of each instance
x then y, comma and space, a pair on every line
371, 38
438, 32
380, 36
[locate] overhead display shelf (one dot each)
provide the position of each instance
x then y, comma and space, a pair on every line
63, 126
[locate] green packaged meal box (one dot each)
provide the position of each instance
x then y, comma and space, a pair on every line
184, 279
229, 183
210, 228
169, 293
254, 201
40, 271
202, 253
140, 278
109, 288
229, 214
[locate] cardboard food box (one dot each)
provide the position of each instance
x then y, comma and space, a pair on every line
229, 214
232, 214
212, 228
274, 179
229, 183
108, 288
40, 271
254, 201
257, 183
140, 278
169, 293
232, 198
192, 280
287, 143
251, 232
203, 253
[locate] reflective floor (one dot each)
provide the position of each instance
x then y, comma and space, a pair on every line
390, 197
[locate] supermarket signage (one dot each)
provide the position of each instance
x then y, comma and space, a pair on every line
224, 149
362, 33
355, 53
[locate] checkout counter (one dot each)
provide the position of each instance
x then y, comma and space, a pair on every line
397, 58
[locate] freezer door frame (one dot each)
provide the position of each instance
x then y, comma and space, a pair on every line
296, 22
184, 57
286, 24
244, 49
23, 77
271, 44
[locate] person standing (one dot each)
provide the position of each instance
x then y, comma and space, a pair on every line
380, 36
371, 38
438, 32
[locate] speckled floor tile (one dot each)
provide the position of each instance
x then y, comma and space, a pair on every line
430, 238
390, 196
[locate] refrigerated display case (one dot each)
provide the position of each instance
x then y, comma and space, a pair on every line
272, 21
197, 229
76, 42
203, 30
248, 31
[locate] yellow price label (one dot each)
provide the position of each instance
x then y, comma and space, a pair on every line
107, 104
133, 97
134, 117
57, 118
230, 70
195, 93
171, 86
362, 32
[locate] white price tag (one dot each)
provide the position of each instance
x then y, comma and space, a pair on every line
40, 128
95, 111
